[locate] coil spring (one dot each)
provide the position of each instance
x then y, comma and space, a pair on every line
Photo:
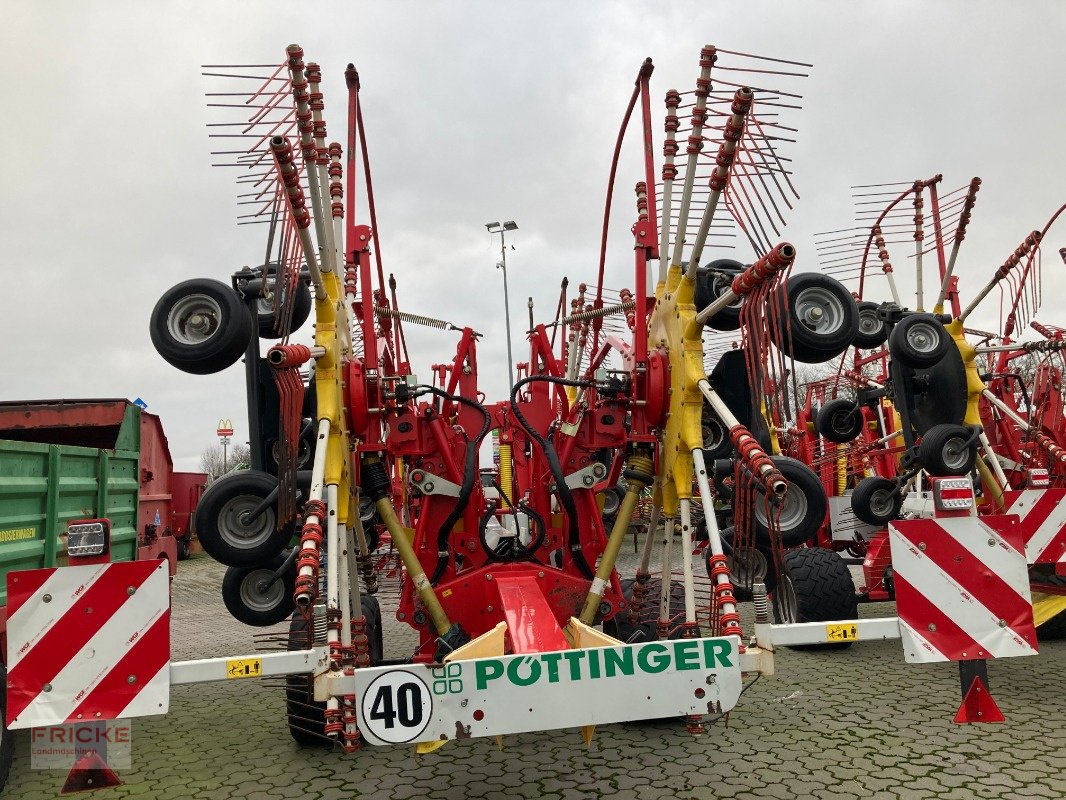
414, 319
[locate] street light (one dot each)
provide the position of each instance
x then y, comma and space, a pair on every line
495, 227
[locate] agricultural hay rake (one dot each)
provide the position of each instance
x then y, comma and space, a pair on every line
675, 399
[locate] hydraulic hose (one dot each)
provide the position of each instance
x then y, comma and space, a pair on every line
470, 472
565, 496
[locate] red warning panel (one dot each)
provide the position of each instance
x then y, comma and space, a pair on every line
962, 588
88, 643
1042, 517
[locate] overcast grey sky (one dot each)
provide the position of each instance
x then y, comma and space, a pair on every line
475, 111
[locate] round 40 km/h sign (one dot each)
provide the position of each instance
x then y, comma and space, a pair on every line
396, 707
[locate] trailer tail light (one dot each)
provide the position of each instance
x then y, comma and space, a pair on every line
87, 538
1038, 479
952, 494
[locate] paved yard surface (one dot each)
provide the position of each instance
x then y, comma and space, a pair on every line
858, 723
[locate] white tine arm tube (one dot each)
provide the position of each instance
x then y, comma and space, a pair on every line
686, 559
777, 260
305, 124
708, 55
307, 563
673, 100
734, 132
322, 160
290, 178
714, 536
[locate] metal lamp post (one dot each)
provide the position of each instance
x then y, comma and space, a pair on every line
496, 227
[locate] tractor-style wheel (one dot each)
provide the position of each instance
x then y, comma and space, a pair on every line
822, 591
839, 420
918, 341
229, 528
184, 549
872, 332
712, 281
716, 441
200, 326
803, 509
301, 309
306, 718
612, 501
305, 452
818, 320
254, 597
748, 565
948, 450
876, 501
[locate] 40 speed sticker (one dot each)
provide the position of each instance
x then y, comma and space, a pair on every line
546, 691
396, 707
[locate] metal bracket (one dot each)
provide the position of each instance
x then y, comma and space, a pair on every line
428, 483
588, 477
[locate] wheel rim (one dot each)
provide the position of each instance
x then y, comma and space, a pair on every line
722, 283
238, 530
793, 510
259, 594
303, 454
255, 593
785, 599
923, 338
819, 310
712, 433
882, 503
955, 453
843, 421
869, 324
747, 566
194, 319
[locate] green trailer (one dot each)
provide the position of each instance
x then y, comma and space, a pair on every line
68, 460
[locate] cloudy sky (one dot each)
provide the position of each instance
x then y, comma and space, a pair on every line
475, 111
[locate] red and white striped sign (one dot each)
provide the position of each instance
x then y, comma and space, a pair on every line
962, 588
88, 643
1042, 516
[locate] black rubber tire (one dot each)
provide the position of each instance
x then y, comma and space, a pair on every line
871, 332
644, 629
759, 556
712, 280
876, 501
806, 293
301, 310
7, 738
305, 453
245, 602
944, 452
716, 441
824, 590
839, 420
612, 501
1055, 628
368, 515
227, 319
803, 514
184, 549
235, 543
372, 612
918, 341
306, 718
